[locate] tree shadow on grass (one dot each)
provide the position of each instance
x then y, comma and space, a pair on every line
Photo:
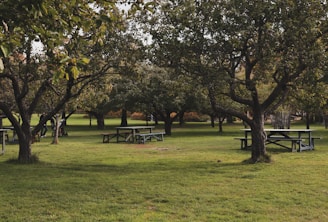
278, 150
176, 167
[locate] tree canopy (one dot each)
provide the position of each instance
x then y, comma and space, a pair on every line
248, 55
71, 34
237, 48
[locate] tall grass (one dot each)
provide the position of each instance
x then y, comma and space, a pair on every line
197, 174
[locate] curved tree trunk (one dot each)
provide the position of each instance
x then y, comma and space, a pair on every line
55, 139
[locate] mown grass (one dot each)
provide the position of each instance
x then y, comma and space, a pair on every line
196, 174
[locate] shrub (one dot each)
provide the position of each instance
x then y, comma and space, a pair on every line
138, 116
195, 117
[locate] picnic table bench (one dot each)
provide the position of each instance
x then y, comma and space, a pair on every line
143, 137
279, 136
276, 140
272, 140
3, 133
140, 134
108, 136
243, 142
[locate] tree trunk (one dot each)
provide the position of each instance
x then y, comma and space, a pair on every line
259, 153
100, 121
64, 118
325, 117
124, 119
25, 153
167, 122
25, 141
221, 119
155, 118
229, 119
221, 125
181, 120
55, 139
168, 125
308, 120
212, 120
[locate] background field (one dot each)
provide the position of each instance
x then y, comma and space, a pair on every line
196, 174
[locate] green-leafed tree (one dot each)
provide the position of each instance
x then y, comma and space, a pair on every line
71, 33
309, 95
166, 94
246, 44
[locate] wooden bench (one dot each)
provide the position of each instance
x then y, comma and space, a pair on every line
308, 146
6, 137
271, 140
293, 140
243, 142
143, 137
313, 139
108, 136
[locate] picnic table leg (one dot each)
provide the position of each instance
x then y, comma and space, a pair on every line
3, 142
133, 135
311, 141
244, 143
294, 146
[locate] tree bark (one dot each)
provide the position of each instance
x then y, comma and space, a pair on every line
124, 119
166, 116
168, 126
220, 126
259, 153
55, 139
212, 120
308, 120
229, 119
100, 121
25, 141
181, 120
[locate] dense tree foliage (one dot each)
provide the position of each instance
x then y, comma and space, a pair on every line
70, 33
249, 56
237, 48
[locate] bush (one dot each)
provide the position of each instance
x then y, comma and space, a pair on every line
138, 116
195, 117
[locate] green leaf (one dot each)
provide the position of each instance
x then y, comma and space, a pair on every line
2, 67
64, 60
85, 61
4, 50
75, 72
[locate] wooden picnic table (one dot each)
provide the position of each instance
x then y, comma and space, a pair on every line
3, 133
301, 137
133, 130
14, 137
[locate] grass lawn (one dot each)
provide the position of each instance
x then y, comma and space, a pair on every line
196, 174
